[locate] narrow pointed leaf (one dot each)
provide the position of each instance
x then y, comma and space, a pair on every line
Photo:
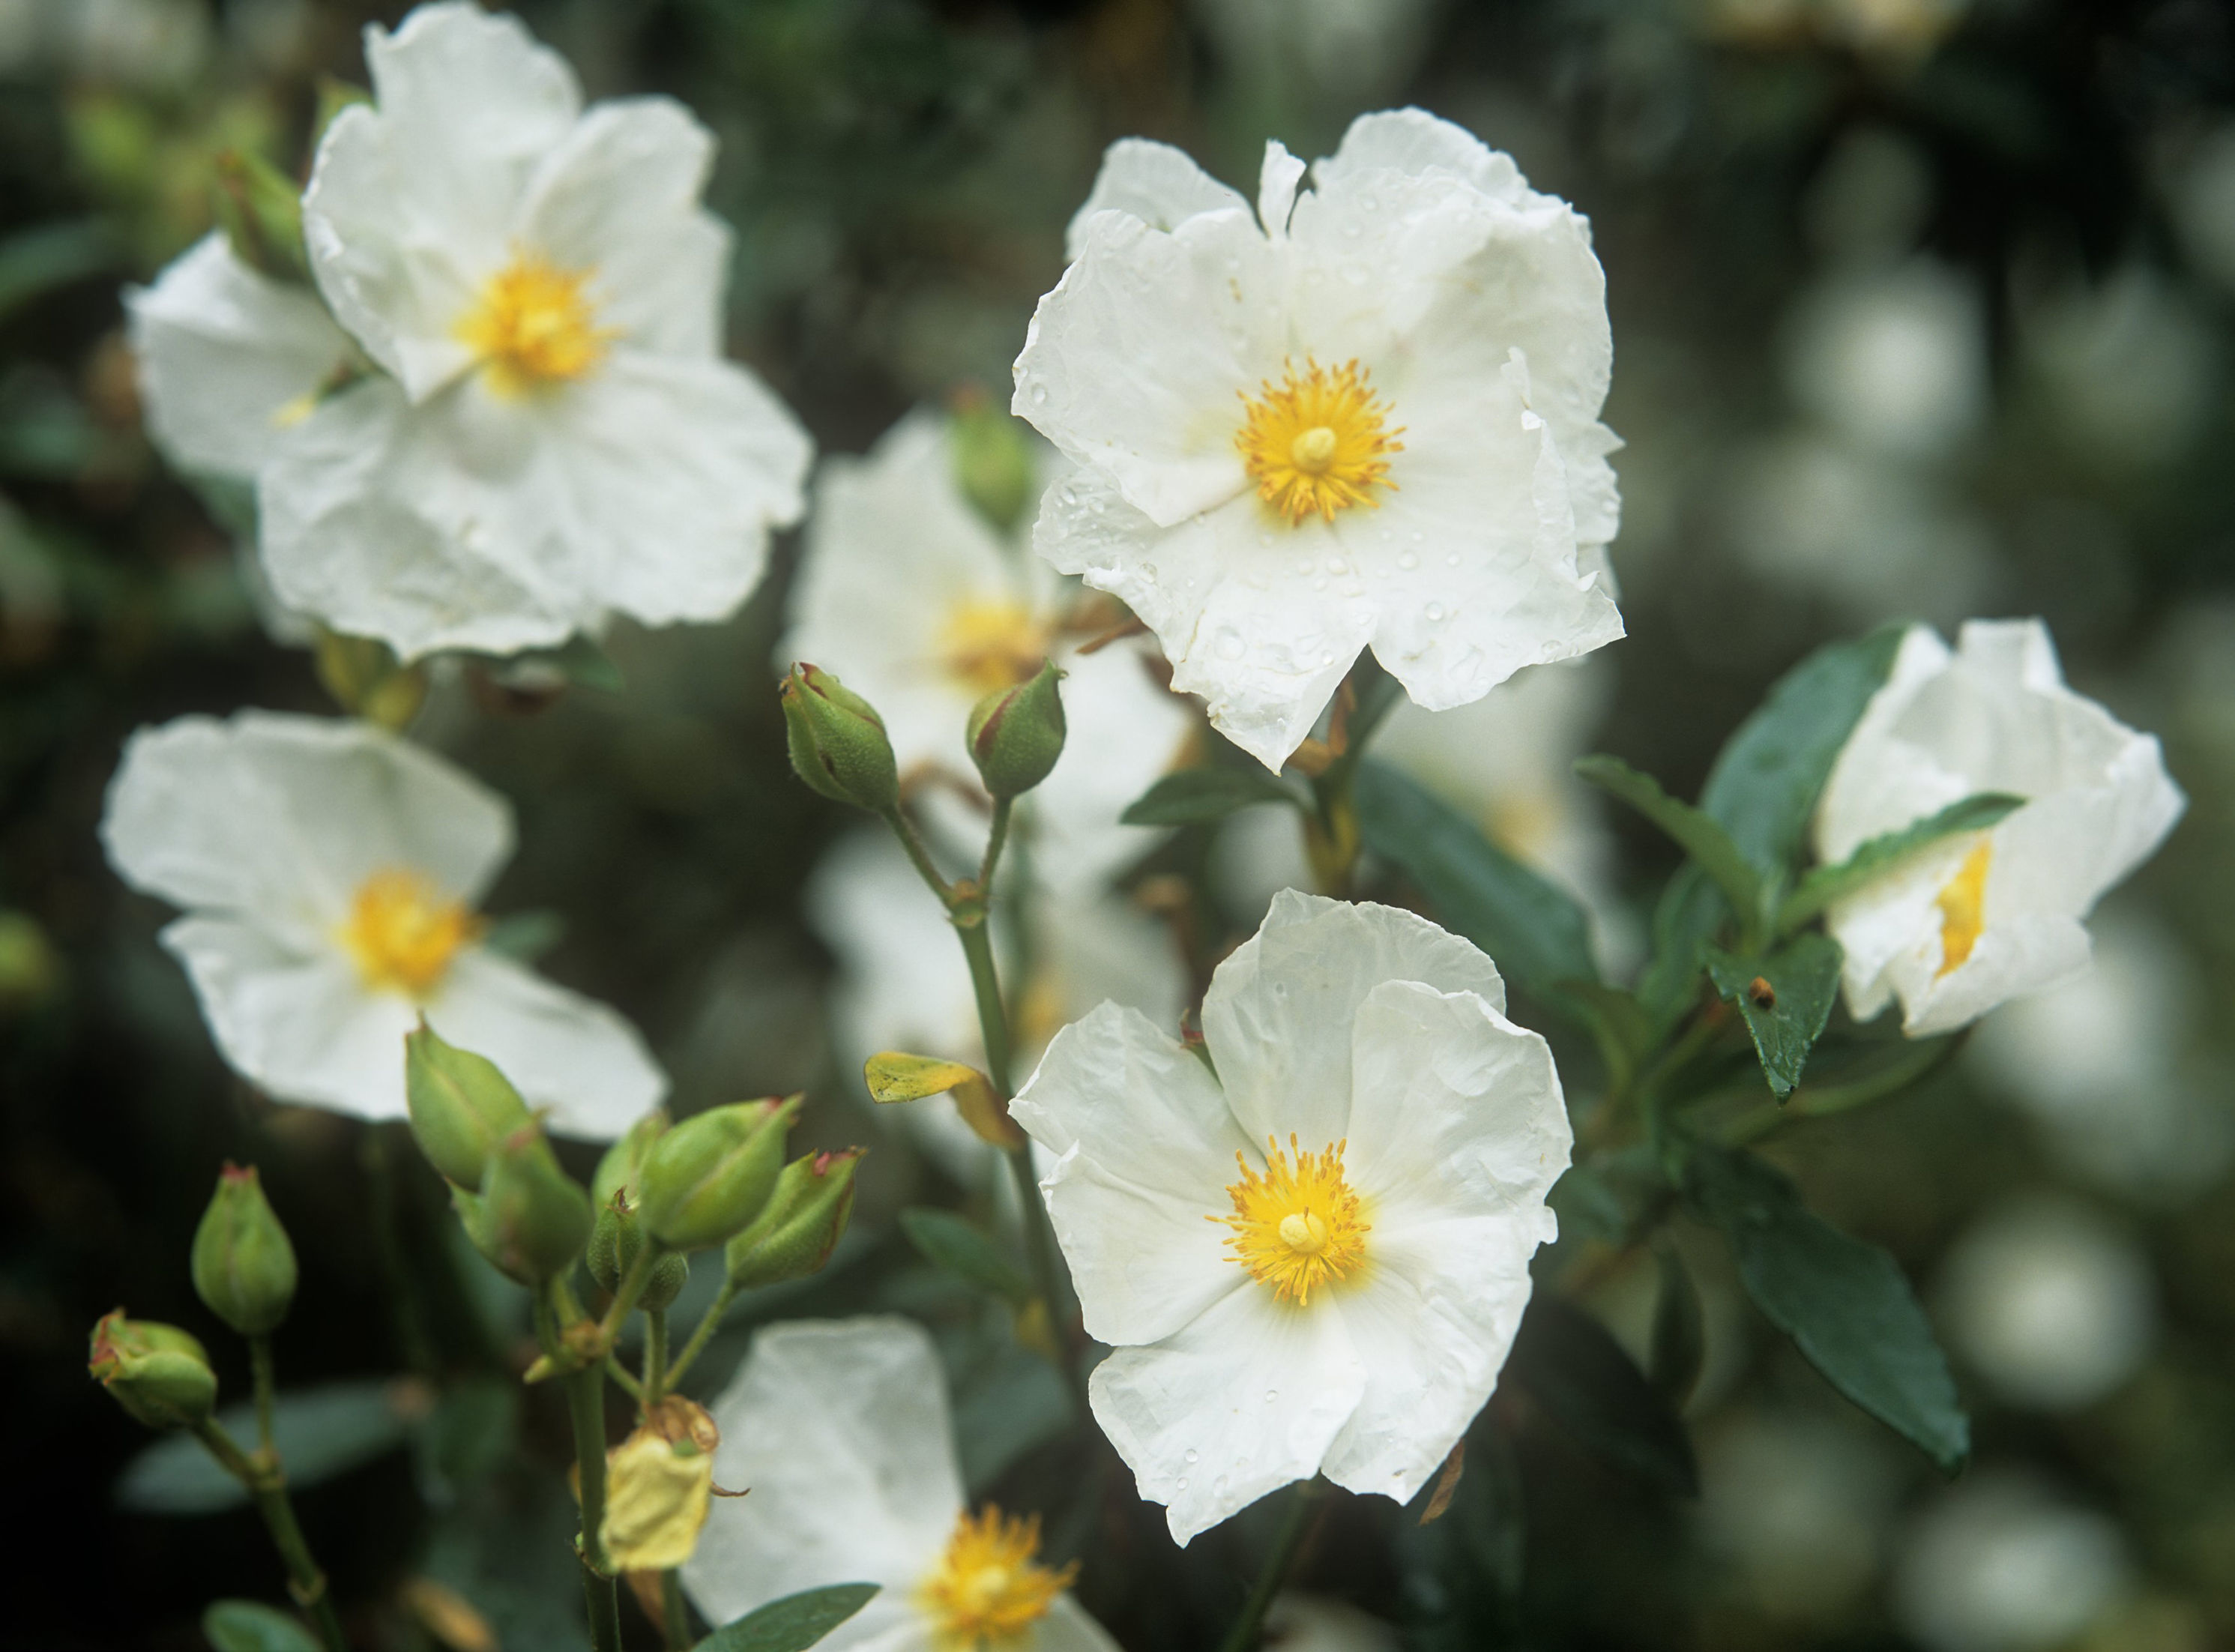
1193, 796
1785, 997
1698, 834
793, 1623
1881, 854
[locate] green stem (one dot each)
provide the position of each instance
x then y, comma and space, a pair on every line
267, 1487
621, 1374
708, 1323
674, 1615
1822, 1101
996, 837
655, 1356
922, 858
261, 1375
585, 1410
631, 1287
1249, 1626
993, 1016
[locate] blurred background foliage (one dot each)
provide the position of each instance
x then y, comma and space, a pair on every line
1921, 309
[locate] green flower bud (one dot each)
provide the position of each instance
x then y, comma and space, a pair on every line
531, 1219
617, 1170
616, 1242
261, 209
796, 1234
709, 1177
159, 1373
991, 463
837, 741
244, 1267
460, 1105
1016, 734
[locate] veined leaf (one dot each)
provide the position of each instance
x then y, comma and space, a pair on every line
946, 1240
1881, 854
1785, 997
1698, 834
1193, 796
793, 1623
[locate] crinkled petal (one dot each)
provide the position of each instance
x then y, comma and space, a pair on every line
1154, 182
1413, 142
569, 1054
1277, 178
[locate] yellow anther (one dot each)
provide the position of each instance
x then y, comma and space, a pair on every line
988, 1590
1298, 1226
990, 645
1963, 903
1318, 444
403, 935
533, 326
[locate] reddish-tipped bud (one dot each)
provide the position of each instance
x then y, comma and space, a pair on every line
837, 741
1016, 734
794, 1235
159, 1373
244, 1267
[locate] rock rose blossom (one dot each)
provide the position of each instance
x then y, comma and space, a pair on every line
1365, 415
1310, 1253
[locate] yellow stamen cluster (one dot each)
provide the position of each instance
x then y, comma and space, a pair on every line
1963, 903
1318, 444
533, 326
1298, 1226
990, 645
988, 1590
403, 935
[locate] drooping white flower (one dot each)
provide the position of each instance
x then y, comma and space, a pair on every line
541, 431
328, 872
1311, 1253
840, 1431
912, 599
1365, 415
1984, 916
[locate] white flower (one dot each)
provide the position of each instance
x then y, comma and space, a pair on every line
1984, 916
840, 1431
914, 600
1315, 1261
2003, 1563
546, 433
1366, 415
1897, 360
329, 871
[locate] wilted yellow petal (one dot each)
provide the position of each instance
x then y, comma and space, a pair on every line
657, 1495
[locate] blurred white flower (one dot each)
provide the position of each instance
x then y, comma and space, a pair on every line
2203, 200
1981, 917
1346, 51
840, 1430
147, 44
1797, 1507
1347, 1305
1297, 1622
2002, 1564
328, 872
914, 600
1895, 360
1368, 415
2052, 1306
2128, 367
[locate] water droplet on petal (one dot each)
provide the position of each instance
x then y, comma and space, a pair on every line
1271, 1395
1336, 565
1228, 645
1452, 560
1182, 1484
1406, 560
1190, 1456
1040, 396
1435, 611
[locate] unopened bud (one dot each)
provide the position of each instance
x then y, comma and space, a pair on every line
616, 1242
159, 1373
244, 1267
659, 1483
617, 1170
991, 463
531, 1219
460, 1105
261, 209
709, 1177
1016, 734
838, 742
794, 1236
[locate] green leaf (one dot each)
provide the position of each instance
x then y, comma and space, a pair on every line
1845, 1303
1700, 835
1532, 929
1786, 1011
947, 1242
584, 660
1680, 1335
1691, 910
793, 1623
1193, 796
1881, 853
1771, 772
37, 261
251, 1626
466, 1439
1578, 1372
321, 1433
1588, 1209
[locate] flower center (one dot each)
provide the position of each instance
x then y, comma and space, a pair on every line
1298, 1226
988, 1590
1317, 444
990, 645
533, 327
1963, 903
403, 935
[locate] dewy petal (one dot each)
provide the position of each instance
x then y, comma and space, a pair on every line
840, 1430
1413, 142
565, 1053
1154, 182
226, 355
1242, 1400
1147, 1148
411, 202
1278, 1018
1277, 178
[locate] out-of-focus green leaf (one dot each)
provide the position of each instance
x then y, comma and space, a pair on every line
469, 1435
251, 1626
1575, 1369
1844, 1302
1881, 853
1532, 929
1785, 997
1690, 912
37, 261
1014, 1403
1587, 1207
526, 936
1197, 795
948, 1241
1680, 1337
321, 1433
1699, 835
793, 1623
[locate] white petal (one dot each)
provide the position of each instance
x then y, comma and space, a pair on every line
1147, 1151
1413, 142
840, 1429
1069, 1627
1127, 729
1279, 1015
222, 352
1277, 178
563, 1052
1243, 1400
1154, 182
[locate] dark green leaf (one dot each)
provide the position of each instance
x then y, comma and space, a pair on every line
948, 1241
1691, 910
1767, 779
793, 1623
1829, 883
53, 255
1534, 930
1699, 834
251, 1626
466, 1438
321, 1433
1587, 1207
1014, 1403
1573, 1366
526, 935
1801, 978
1680, 1337
1193, 796
1845, 1303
